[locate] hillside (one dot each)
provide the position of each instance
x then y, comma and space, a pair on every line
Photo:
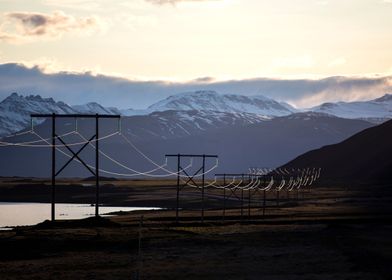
364, 158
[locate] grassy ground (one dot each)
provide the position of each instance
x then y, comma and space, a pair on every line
328, 233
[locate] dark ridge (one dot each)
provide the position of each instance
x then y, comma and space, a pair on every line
363, 159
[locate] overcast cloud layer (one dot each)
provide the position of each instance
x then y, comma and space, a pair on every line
79, 88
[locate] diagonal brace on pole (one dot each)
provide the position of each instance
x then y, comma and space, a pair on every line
75, 155
190, 178
233, 194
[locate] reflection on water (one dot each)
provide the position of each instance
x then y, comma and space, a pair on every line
18, 214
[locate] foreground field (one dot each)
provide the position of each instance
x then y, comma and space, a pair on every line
329, 233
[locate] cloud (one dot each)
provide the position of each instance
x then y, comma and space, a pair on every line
174, 2
78, 88
347, 89
23, 26
204, 80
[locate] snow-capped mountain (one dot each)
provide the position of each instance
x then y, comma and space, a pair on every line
95, 108
212, 101
380, 108
15, 111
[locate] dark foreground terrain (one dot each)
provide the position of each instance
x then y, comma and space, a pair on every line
328, 233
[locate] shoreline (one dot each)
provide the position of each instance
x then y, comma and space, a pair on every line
32, 213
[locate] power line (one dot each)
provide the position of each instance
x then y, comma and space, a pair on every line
22, 144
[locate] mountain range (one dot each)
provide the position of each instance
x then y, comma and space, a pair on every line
15, 110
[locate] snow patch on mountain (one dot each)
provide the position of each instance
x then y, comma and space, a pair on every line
174, 124
212, 101
135, 112
95, 108
380, 108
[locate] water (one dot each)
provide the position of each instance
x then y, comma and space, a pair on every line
20, 214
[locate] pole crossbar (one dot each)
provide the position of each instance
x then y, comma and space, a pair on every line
194, 156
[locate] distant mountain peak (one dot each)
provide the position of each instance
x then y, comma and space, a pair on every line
199, 92
379, 108
94, 108
209, 100
385, 98
15, 110
38, 98
192, 94
15, 97
309, 114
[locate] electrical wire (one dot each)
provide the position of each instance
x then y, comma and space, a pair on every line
168, 171
147, 173
250, 183
254, 185
18, 134
226, 186
50, 145
282, 184
135, 172
28, 143
270, 184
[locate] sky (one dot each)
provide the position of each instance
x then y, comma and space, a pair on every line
172, 45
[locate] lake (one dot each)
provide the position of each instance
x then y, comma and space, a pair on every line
19, 214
